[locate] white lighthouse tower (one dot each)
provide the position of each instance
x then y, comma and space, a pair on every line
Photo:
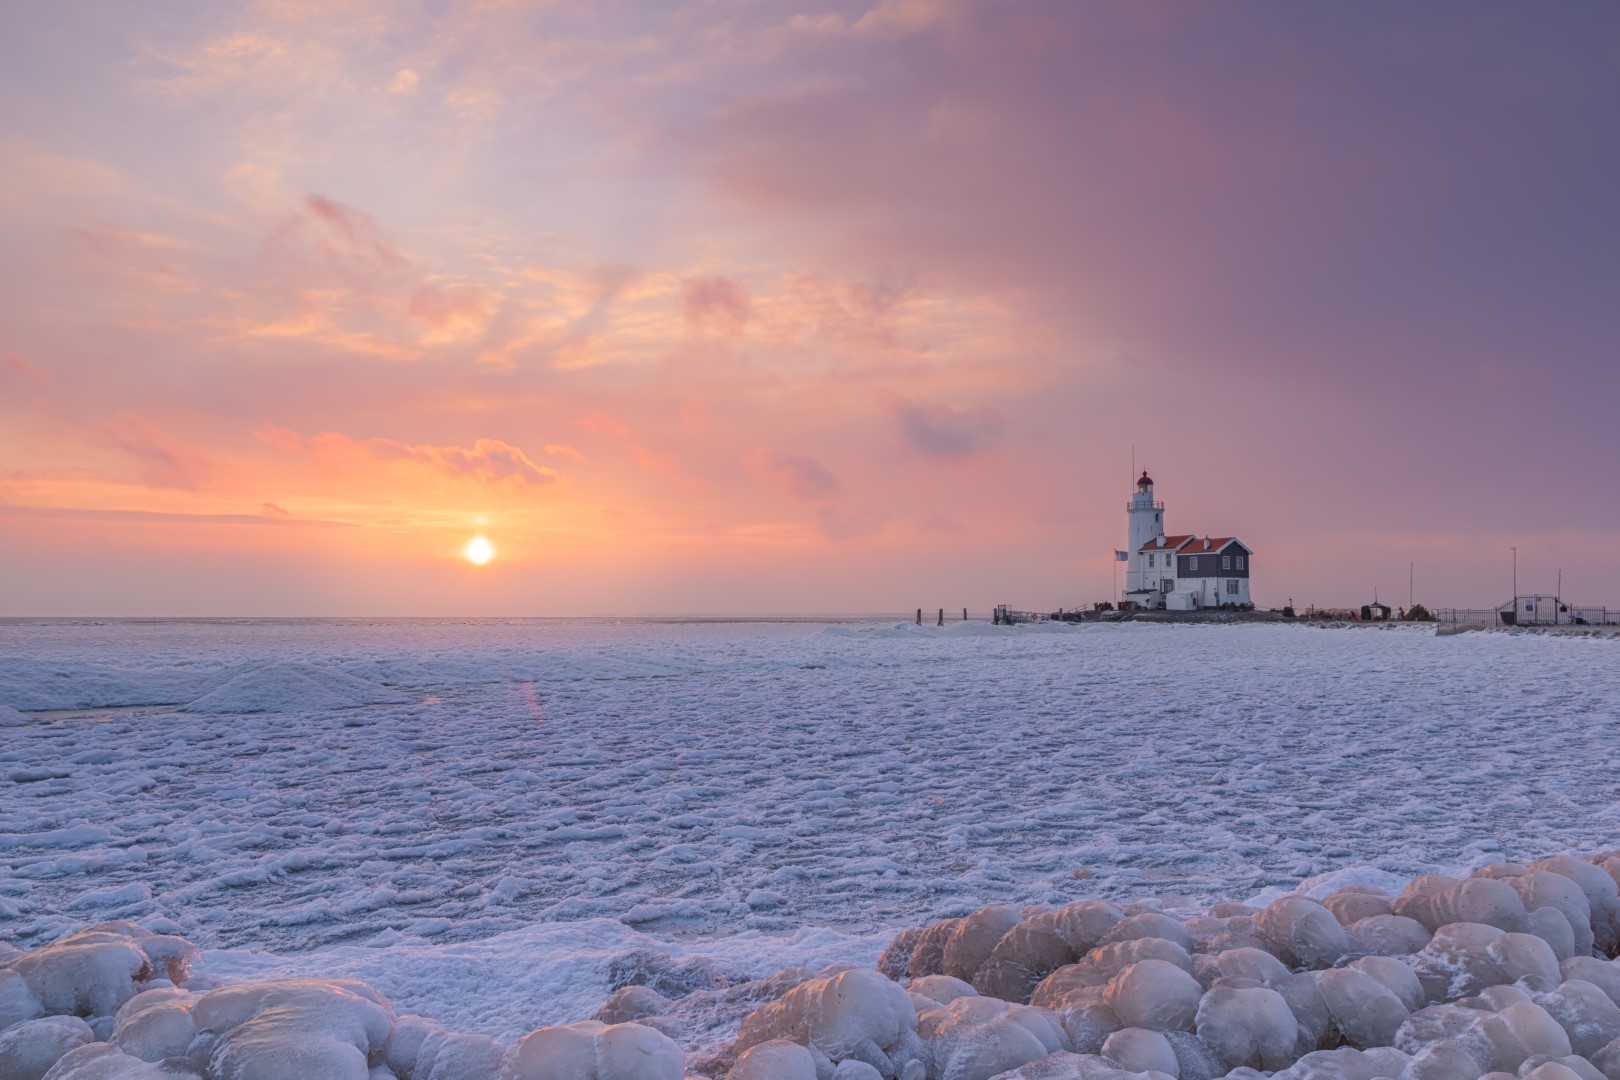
1146, 524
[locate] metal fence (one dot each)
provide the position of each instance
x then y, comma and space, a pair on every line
1467, 616
1575, 615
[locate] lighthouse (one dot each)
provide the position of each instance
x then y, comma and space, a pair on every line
1146, 524
1181, 572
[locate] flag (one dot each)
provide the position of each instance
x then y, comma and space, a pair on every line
1122, 556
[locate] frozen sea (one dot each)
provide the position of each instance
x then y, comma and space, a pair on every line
493, 820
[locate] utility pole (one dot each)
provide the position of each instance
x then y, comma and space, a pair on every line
1410, 569
1515, 578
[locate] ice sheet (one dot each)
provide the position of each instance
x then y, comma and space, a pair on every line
697, 782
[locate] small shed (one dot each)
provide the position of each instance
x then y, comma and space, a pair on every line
1375, 612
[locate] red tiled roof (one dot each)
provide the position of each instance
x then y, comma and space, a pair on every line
1188, 545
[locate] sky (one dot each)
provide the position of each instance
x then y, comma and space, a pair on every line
771, 306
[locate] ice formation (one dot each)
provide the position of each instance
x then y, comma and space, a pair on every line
104, 1004
856, 1014
1143, 994
1509, 972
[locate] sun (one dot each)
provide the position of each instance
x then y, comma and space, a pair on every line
478, 550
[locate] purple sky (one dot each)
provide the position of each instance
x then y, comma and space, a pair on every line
752, 306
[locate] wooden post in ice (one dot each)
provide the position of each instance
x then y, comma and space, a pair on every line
964, 614
919, 616
941, 616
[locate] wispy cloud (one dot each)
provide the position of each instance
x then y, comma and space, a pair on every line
161, 459
490, 462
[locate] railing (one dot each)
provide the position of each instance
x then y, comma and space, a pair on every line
1576, 615
1467, 616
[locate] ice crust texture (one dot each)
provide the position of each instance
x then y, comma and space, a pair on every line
636, 826
716, 779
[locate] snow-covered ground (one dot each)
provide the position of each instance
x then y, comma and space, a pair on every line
488, 820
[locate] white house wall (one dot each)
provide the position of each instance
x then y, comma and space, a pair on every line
1194, 593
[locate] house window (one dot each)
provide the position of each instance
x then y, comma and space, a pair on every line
1150, 560
1231, 587
1192, 563
1240, 562
1226, 562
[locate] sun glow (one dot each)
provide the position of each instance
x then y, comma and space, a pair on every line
478, 550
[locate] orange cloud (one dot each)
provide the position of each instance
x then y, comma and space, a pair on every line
488, 462
452, 312
653, 460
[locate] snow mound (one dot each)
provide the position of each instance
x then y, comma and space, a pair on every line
976, 1037
777, 1059
591, 1050
272, 688
855, 1014
91, 972
101, 1061
29, 1050
10, 717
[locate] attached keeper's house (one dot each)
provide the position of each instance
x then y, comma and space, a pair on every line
1181, 572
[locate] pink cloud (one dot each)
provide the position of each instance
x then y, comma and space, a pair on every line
143, 259
715, 303
24, 369
838, 524
349, 241
161, 459
599, 423
653, 460
802, 477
